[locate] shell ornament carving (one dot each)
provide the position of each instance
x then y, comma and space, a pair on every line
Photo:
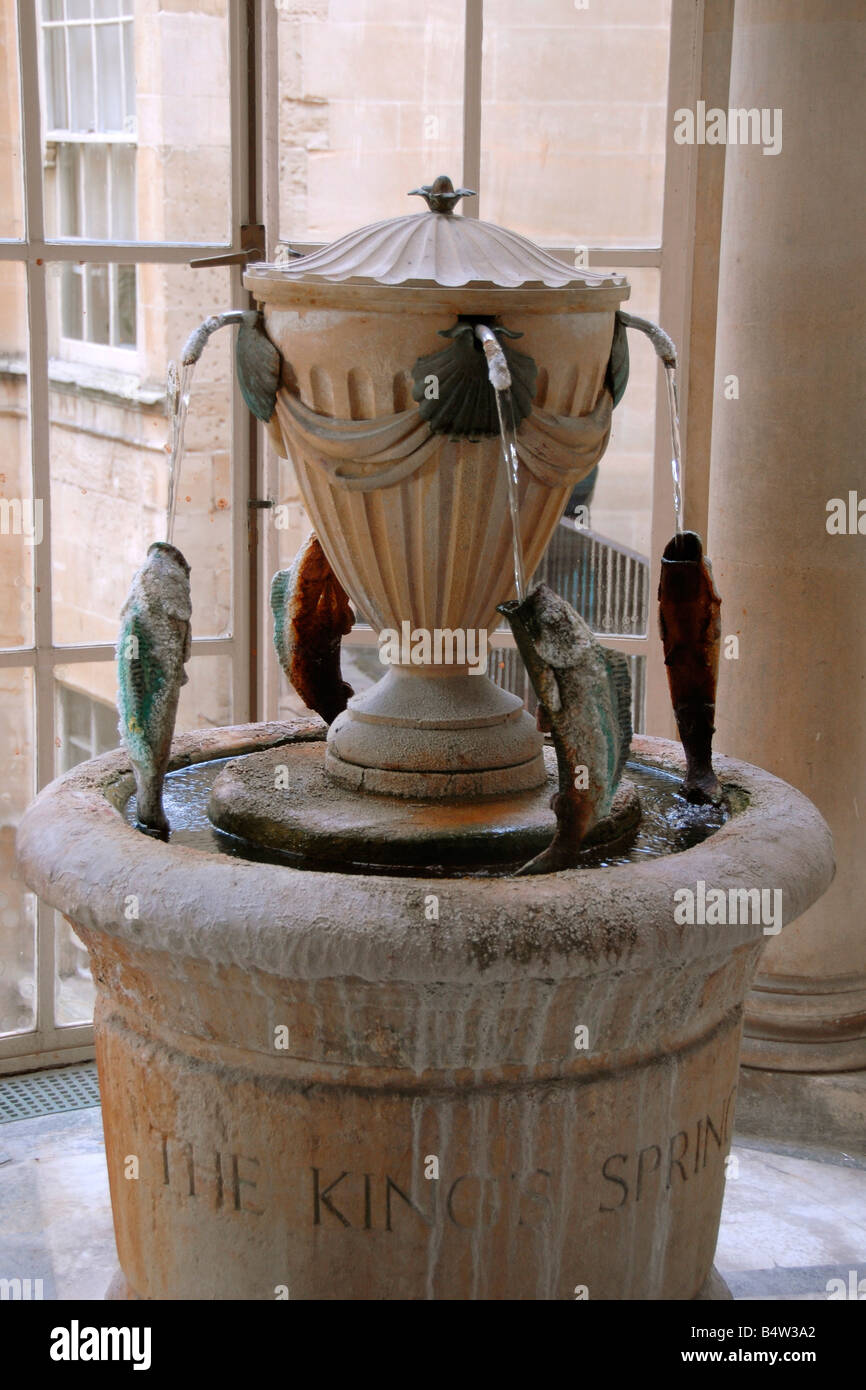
453, 390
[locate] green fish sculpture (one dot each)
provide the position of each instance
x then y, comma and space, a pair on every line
584, 695
152, 651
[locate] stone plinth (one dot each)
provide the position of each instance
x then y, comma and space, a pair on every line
350, 1087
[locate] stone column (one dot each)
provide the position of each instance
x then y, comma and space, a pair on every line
790, 329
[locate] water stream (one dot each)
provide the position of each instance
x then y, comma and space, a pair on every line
665, 349
177, 396
676, 449
507, 432
500, 380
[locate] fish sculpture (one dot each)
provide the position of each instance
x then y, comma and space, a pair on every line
691, 630
584, 695
312, 614
152, 650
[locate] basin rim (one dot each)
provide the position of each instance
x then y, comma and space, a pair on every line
79, 854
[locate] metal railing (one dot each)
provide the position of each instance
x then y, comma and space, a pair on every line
607, 584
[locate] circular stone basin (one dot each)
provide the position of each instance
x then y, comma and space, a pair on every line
288, 1051
281, 806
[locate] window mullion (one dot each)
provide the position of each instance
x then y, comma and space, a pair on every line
37, 323
94, 85
245, 191
472, 60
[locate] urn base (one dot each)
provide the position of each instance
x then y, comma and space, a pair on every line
436, 733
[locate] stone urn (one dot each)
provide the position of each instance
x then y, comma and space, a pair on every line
345, 1086
386, 411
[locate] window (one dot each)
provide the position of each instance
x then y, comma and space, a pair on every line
125, 154
89, 101
85, 727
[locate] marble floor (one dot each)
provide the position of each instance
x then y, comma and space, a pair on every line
791, 1223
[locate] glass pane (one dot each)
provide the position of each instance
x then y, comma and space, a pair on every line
109, 77
57, 110
125, 306
17, 905
72, 313
74, 991
52, 9
371, 99
576, 156
620, 509
128, 40
107, 9
11, 214
68, 188
109, 446
96, 195
97, 321
82, 114
206, 699
85, 712
21, 518
178, 109
78, 9
183, 121
123, 192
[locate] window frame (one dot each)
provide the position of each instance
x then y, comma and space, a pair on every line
48, 1043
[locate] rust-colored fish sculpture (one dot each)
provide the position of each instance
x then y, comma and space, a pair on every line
584, 694
691, 629
311, 614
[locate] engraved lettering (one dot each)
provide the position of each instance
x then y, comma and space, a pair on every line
391, 1186
238, 1182
711, 1129
650, 1149
674, 1162
368, 1205
611, 1177
541, 1208
486, 1185
321, 1198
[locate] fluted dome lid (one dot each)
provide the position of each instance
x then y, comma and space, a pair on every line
439, 248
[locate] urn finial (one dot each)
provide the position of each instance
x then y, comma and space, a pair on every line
441, 195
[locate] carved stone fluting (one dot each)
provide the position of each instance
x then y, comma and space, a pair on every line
417, 526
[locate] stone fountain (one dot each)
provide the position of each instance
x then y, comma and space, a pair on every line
352, 1056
